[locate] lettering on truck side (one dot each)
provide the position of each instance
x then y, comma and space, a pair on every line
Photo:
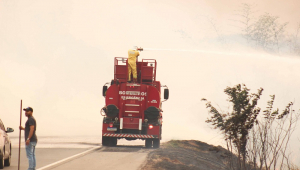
135, 95
133, 98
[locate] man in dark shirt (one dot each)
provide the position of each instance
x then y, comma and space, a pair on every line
30, 137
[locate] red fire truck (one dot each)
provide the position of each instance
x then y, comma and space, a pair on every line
133, 110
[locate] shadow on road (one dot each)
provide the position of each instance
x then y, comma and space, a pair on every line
124, 148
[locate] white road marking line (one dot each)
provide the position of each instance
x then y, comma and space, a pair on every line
69, 158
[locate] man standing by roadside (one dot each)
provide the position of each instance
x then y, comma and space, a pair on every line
30, 137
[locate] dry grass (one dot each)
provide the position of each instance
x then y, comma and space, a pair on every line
187, 155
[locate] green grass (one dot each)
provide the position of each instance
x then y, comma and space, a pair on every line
173, 143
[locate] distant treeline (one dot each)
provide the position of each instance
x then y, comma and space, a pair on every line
267, 32
264, 31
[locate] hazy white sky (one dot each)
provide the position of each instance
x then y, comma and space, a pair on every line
56, 55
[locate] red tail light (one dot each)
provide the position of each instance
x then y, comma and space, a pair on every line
111, 125
150, 126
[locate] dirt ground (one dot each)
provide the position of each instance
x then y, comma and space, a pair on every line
187, 155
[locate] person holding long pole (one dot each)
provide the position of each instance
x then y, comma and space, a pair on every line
19, 156
30, 137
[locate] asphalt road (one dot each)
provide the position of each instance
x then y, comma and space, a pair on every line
43, 156
120, 157
105, 158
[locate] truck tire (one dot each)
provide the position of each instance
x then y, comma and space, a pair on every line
7, 161
105, 141
148, 143
1, 161
113, 141
109, 141
156, 143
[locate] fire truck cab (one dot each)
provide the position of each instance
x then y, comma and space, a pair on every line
133, 110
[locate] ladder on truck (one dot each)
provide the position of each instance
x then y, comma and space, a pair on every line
132, 114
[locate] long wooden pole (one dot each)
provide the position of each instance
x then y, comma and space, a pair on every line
19, 158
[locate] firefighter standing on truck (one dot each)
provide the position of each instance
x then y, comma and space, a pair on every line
132, 59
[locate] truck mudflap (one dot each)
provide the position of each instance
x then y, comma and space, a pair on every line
124, 135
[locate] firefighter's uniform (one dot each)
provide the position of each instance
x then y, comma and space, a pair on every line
132, 56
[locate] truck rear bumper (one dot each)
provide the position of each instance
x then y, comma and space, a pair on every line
124, 135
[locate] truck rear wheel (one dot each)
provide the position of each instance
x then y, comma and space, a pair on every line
109, 141
105, 141
156, 143
113, 141
148, 143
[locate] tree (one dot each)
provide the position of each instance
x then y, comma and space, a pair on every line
261, 143
236, 124
216, 29
269, 138
294, 42
267, 32
246, 20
